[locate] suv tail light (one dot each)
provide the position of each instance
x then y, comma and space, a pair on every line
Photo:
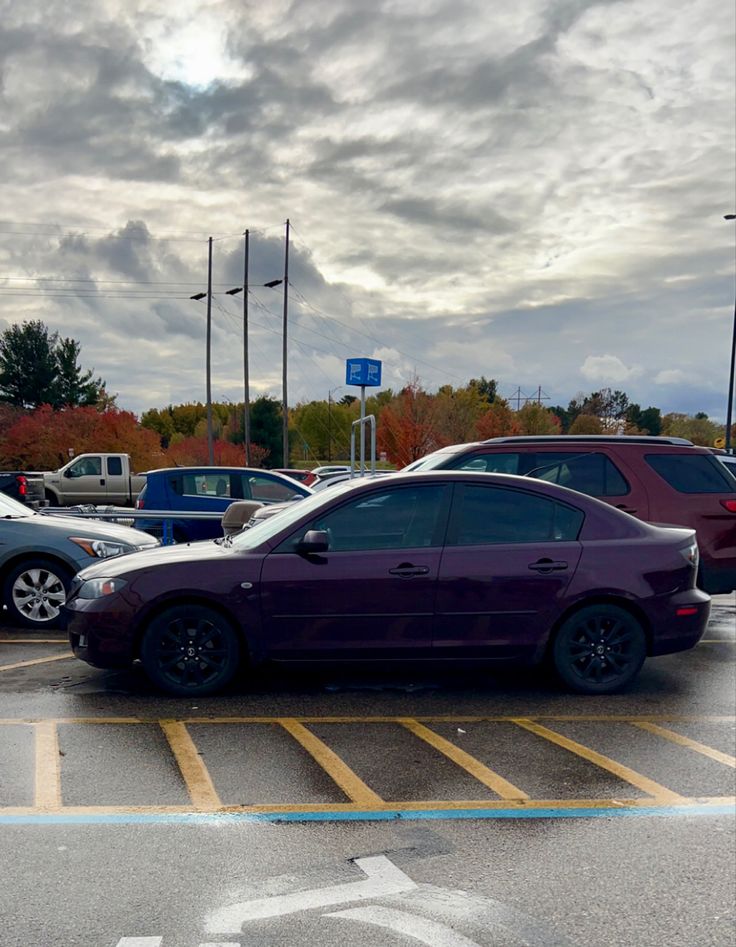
139, 504
22, 486
730, 505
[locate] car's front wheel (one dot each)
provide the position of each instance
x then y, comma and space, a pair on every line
599, 649
35, 591
190, 650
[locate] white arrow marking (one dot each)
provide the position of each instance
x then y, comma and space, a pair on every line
427, 932
140, 942
383, 878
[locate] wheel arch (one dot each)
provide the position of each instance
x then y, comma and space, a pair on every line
30, 555
187, 598
600, 598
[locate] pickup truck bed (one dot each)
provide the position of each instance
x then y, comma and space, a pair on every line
27, 488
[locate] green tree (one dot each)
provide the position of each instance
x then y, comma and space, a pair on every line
698, 428
37, 367
486, 387
266, 429
536, 419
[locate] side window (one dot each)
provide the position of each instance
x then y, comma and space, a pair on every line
592, 473
199, 485
86, 467
693, 473
114, 466
488, 515
267, 490
400, 518
507, 463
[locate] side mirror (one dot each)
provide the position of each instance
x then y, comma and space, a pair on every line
315, 540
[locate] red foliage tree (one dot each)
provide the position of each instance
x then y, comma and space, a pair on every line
406, 427
193, 451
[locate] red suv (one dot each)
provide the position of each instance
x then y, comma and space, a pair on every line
663, 480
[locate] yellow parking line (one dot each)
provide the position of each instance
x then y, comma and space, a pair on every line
477, 770
724, 758
353, 787
194, 773
27, 664
659, 793
47, 775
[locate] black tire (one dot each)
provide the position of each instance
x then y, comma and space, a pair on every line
599, 649
190, 650
35, 591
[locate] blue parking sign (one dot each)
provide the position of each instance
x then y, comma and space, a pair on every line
363, 371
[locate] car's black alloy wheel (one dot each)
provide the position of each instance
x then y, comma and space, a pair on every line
599, 649
35, 591
190, 650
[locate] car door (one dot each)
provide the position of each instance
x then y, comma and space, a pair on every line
115, 481
372, 593
507, 562
593, 472
84, 481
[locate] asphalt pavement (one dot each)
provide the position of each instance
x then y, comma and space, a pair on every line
440, 808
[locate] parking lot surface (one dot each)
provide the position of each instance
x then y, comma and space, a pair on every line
444, 808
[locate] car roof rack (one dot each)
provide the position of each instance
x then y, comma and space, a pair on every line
597, 438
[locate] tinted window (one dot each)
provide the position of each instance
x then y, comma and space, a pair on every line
507, 463
592, 473
114, 466
267, 490
483, 515
691, 473
401, 518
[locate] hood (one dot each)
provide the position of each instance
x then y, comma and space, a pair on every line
149, 559
96, 529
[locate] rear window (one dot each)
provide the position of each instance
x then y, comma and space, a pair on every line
691, 473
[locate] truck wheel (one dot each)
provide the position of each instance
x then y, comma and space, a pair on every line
190, 651
52, 498
35, 591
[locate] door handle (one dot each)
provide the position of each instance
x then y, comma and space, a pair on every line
626, 509
547, 565
102, 481
408, 570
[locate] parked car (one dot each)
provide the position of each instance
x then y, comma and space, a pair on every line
96, 478
448, 565
331, 468
39, 554
665, 480
729, 462
307, 477
25, 487
182, 490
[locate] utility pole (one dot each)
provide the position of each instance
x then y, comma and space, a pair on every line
210, 446
246, 384
285, 403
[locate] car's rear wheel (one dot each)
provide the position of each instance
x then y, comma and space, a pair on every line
599, 649
190, 650
35, 591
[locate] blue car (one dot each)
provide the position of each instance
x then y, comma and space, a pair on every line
182, 490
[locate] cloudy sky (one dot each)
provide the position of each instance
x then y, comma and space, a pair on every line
530, 191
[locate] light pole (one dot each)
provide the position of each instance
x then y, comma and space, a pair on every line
729, 409
208, 356
329, 421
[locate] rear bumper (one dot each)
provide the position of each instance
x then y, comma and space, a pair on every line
681, 624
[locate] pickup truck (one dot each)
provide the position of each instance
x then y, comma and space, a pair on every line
27, 488
94, 478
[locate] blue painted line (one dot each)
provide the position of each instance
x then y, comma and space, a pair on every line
394, 815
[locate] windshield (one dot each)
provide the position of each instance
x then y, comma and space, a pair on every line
11, 507
264, 529
432, 461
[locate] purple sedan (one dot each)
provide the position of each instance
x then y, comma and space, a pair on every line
450, 565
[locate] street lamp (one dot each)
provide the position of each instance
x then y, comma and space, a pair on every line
329, 420
729, 409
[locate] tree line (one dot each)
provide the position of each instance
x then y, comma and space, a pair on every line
50, 408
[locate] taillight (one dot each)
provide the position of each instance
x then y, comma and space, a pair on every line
730, 505
22, 486
139, 504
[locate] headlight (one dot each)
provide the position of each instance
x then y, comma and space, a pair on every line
98, 588
102, 548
